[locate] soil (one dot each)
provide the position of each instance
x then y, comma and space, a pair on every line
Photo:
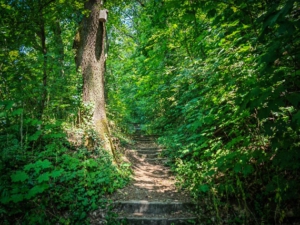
152, 180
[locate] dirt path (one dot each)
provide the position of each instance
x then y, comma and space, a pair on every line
151, 197
152, 180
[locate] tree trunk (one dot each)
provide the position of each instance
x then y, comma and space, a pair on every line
42, 35
90, 57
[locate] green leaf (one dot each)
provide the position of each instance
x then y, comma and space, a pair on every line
56, 173
296, 117
248, 169
35, 136
54, 135
5, 200
237, 168
37, 166
204, 188
19, 176
7, 104
271, 20
90, 163
17, 198
91, 193
36, 190
100, 180
294, 99
29, 166
211, 13
17, 112
83, 214
44, 177
44, 164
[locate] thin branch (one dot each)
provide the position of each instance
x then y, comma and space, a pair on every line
141, 3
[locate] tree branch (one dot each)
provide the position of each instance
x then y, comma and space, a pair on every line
141, 3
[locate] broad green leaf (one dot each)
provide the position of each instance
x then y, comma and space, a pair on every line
19, 176
56, 173
248, 169
296, 117
17, 112
38, 165
17, 198
44, 164
204, 188
43, 177
272, 19
237, 168
90, 163
36, 190
5, 200
7, 104
35, 136
54, 135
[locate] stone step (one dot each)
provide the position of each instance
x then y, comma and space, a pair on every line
160, 160
149, 161
157, 221
150, 185
145, 136
145, 151
140, 151
156, 174
149, 148
152, 208
147, 156
141, 141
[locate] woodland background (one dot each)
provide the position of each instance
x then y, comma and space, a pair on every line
219, 81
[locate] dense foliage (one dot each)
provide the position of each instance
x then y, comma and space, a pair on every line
48, 173
220, 81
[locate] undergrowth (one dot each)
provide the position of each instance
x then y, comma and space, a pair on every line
47, 179
234, 184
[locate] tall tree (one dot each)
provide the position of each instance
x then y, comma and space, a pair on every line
90, 57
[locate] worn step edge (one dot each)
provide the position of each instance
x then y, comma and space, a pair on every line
147, 160
143, 156
146, 151
151, 148
157, 159
143, 152
160, 174
152, 172
148, 156
146, 207
144, 139
158, 221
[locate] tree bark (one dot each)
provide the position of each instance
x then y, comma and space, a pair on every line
42, 35
90, 58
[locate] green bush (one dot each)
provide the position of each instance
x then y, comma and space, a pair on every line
54, 184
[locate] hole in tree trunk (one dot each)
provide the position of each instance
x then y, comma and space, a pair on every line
99, 41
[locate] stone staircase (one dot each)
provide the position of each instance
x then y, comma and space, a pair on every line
151, 198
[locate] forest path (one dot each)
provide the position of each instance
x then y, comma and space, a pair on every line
151, 197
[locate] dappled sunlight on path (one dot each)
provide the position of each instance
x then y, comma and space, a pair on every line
152, 196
